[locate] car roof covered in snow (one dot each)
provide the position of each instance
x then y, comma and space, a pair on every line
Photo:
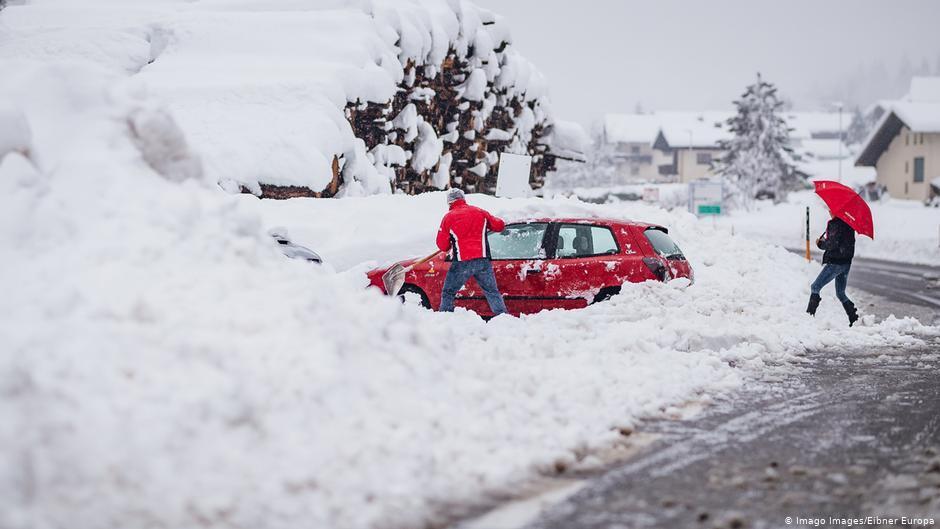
588, 220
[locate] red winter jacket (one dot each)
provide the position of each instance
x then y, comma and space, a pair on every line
465, 227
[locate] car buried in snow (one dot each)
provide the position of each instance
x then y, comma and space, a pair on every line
291, 249
545, 264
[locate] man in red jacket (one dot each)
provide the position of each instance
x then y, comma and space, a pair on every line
463, 231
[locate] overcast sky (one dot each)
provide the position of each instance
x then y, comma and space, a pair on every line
608, 55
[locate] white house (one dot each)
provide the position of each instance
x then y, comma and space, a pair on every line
904, 147
681, 146
664, 146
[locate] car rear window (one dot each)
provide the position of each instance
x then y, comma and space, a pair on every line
663, 244
518, 241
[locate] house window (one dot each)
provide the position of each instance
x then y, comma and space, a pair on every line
906, 167
907, 139
919, 169
635, 149
634, 170
703, 158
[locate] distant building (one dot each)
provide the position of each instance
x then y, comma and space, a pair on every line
681, 146
663, 146
904, 147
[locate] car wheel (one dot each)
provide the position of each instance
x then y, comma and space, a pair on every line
606, 293
413, 294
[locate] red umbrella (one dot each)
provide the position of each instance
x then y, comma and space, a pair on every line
846, 204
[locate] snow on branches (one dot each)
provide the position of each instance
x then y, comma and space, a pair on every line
758, 161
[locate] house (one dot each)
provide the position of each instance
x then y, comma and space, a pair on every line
663, 146
627, 143
681, 146
904, 147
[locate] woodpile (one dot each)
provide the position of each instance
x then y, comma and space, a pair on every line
449, 119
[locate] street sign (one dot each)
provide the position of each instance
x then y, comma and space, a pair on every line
708, 210
706, 198
512, 179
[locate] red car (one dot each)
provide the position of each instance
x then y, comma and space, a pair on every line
557, 264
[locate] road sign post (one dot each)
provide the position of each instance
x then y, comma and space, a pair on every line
706, 198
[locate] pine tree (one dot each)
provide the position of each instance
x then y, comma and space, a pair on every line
758, 159
858, 129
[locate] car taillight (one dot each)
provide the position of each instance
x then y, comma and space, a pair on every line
658, 268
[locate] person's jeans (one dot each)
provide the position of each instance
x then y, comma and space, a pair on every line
460, 272
839, 272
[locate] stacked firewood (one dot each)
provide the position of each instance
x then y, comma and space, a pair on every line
434, 135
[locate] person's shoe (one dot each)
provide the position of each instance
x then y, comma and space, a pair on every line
814, 300
851, 312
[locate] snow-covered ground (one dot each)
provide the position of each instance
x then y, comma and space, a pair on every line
905, 230
164, 365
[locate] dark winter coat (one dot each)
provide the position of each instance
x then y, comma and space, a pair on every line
838, 242
464, 229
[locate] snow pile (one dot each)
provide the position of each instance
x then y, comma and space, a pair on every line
163, 364
259, 87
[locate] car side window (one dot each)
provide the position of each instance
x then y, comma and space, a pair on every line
583, 240
518, 241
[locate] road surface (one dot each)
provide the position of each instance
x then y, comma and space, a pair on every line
850, 436
900, 282
847, 439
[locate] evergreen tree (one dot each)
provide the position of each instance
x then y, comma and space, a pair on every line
858, 129
758, 159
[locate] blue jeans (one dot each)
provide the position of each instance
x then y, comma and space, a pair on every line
460, 272
829, 272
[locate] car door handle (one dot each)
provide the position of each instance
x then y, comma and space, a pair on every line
536, 271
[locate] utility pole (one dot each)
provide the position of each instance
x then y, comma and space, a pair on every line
839, 105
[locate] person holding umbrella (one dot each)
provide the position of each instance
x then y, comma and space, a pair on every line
849, 214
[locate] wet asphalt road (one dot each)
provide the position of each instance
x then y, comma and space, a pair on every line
850, 436
900, 282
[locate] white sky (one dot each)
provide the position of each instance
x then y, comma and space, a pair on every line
607, 55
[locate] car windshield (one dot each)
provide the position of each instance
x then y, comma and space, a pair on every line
663, 244
518, 241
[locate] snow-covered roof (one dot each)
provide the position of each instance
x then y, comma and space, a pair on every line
679, 129
805, 124
630, 128
823, 148
919, 117
916, 116
569, 140
695, 129
924, 90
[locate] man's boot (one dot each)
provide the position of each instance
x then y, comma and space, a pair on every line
851, 312
814, 300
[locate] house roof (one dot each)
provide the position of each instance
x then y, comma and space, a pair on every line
678, 129
924, 90
630, 128
805, 124
916, 116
